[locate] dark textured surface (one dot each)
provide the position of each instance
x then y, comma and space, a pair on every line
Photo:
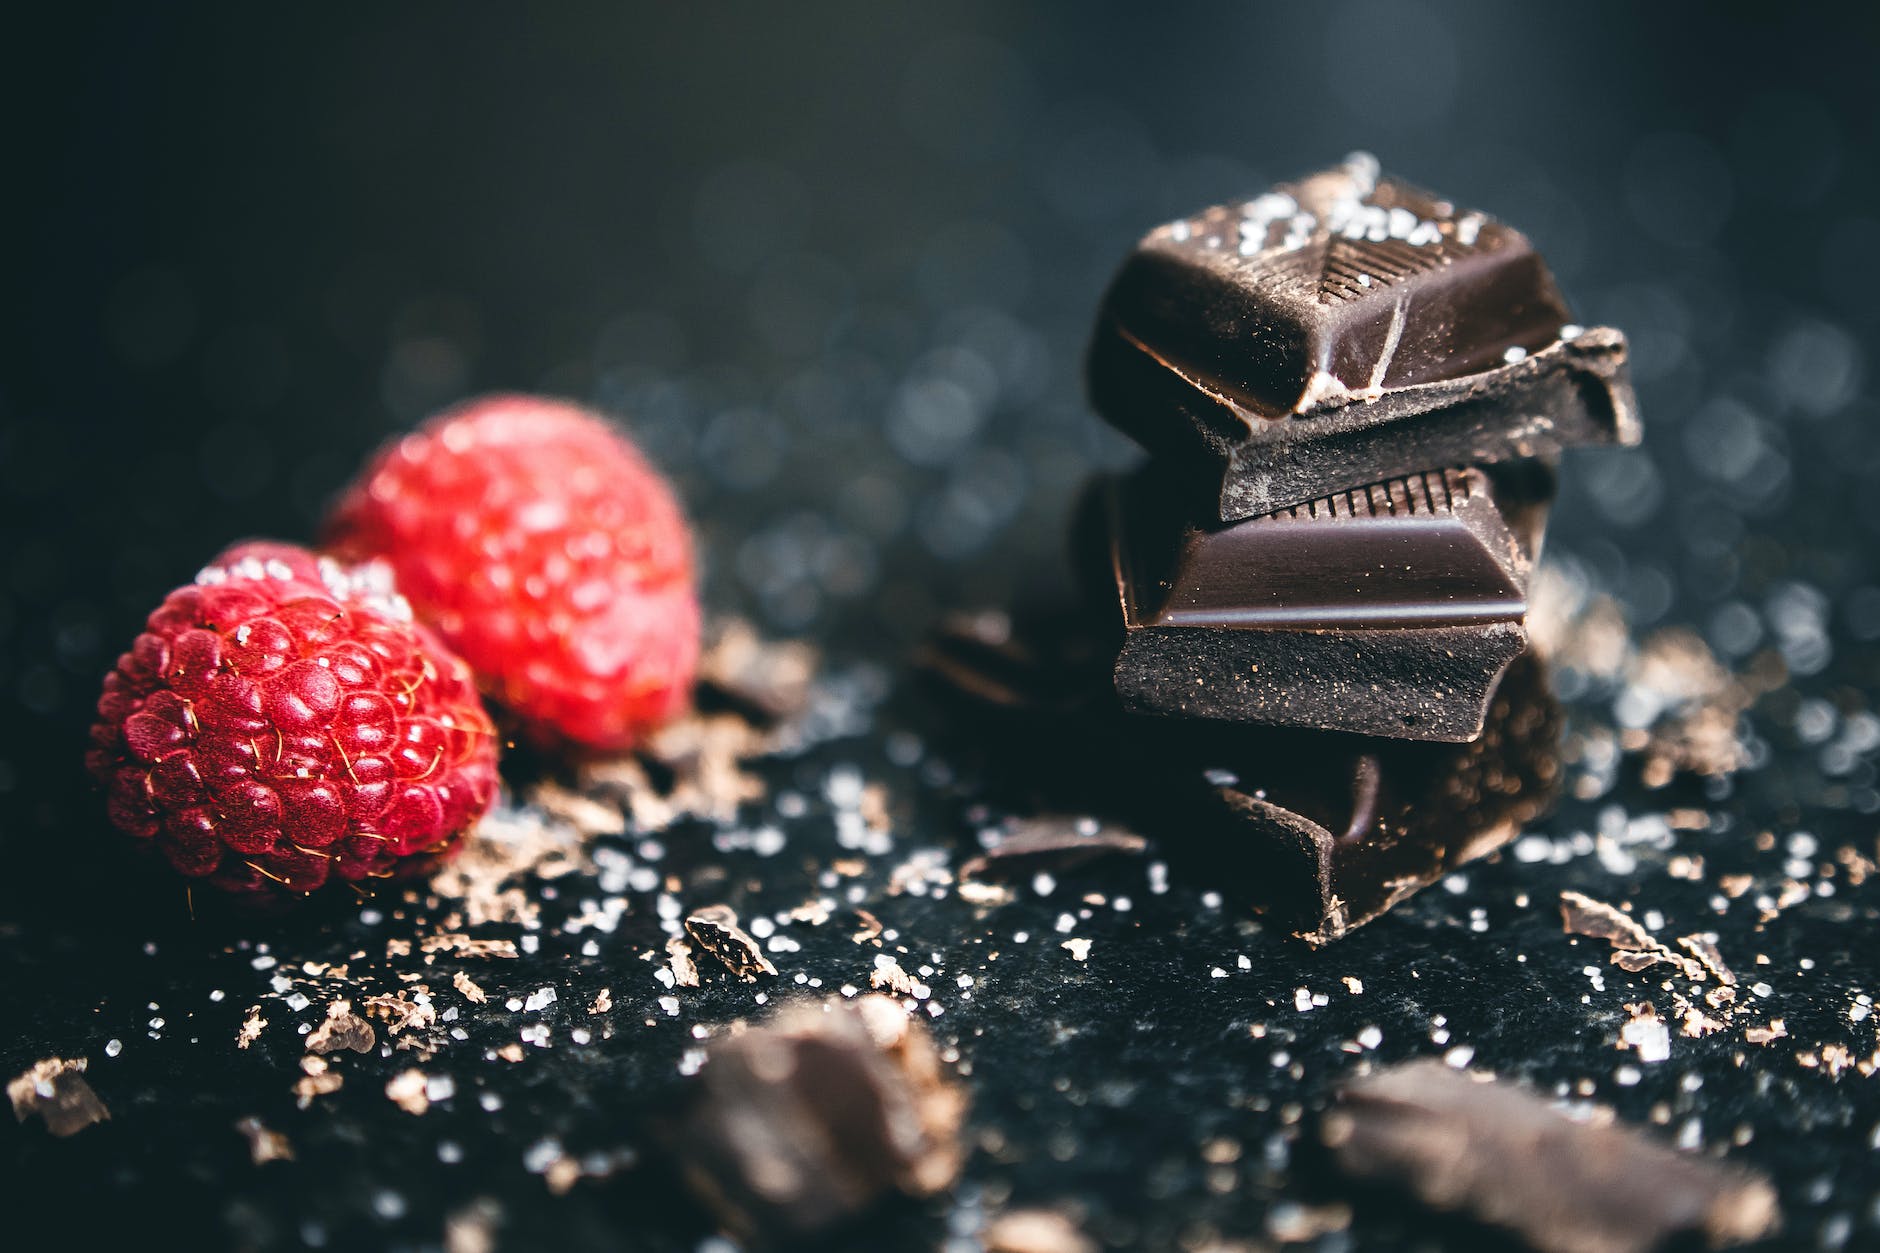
840, 273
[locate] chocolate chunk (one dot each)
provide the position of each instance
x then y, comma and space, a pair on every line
715, 928
1324, 831
1344, 330
1031, 844
1327, 832
1391, 610
805, 1123
1504, 1156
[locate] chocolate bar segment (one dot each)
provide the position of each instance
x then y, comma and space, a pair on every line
1328, 832
1388, 611
1344, 330
1500, 1154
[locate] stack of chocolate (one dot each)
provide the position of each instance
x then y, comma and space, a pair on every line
1354, 393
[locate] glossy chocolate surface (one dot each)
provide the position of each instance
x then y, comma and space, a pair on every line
1423, 550
1342, 285
1391, 611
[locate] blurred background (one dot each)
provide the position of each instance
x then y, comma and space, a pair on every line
834, 264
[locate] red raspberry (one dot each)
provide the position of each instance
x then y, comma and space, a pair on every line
549, 553
283, 720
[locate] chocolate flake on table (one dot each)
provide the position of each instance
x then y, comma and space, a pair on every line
1497, 1152
1634, 948
679, 961
410, 1091
342, 1029
868, 927
54, 1090
715, 929
471, 990
801, 1124
1391, 610
402, 1014
264, 1146
1055, 841
1343, 330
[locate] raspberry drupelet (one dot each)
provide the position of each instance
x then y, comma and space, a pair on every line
282, 723
547, 551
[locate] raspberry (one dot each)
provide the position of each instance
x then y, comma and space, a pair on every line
546, 550
282, 721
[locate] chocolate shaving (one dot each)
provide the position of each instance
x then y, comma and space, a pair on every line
250, 1030
401, 1014
342, 1029
469, 987
801, 1124
1500, 1154
679, 960
1636, 948
1054, 841
55, 1090
1704, 949
715, 929
408, 1091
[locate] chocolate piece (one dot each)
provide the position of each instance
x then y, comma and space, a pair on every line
1324, 831
715, 928
1030, 844
1504, 1156
1392, 610
805, 1123
1327, 832
1344, 330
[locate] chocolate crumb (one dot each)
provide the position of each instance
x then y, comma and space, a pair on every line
55, 1090
1704, 949
889, 974
264, 1146
469, 987
1636, 948
317, 1083
1776, 1029
679, 960
401, 1014
342, 1029
870, 929
250, 1030
716, 930
407, 1090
